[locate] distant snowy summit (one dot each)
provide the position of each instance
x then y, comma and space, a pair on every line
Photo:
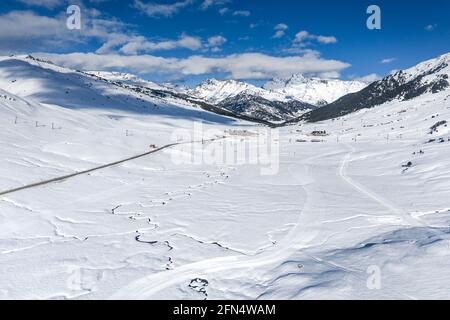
215, 91
314, 91
278, 100
246, 99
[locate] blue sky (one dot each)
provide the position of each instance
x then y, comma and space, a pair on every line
190, 40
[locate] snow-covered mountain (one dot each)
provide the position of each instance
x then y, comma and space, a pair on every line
215, 91
134, 80
431, 76
126, 78
248, 104
313, 90
280, 99
48, 83
246, 99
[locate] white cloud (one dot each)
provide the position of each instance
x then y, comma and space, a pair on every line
139, 44
301, 36
216, 41
280, 30
241, 13
50, 4
237, 66
111, 44
326, 40
369, 78
430, 27
224, 11
388, 60
189, 42
279, 34
206, 4
329, 75
27, 25
161, 10
393, 71
281, 26
25, 30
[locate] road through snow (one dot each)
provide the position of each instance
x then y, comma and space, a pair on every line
79, 173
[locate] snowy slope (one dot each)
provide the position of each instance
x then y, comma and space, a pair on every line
46, 83
12, 105
364, 210
429, 70
370, 195
313, 90
126, 78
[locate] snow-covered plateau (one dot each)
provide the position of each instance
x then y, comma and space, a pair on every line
357, 208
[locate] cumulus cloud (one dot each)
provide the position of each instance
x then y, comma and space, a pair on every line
302, 36
237, 66
161, 10
49, 4
216, 41
280, 30
25, 30
325, 39
241, 13
369, 78
133, 45
210, 3
26, 24
224, 11
388, 60
140, 44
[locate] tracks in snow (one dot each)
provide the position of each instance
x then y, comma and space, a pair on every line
372, 195
148, 287
296, 239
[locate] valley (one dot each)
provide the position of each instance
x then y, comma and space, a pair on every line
364, 189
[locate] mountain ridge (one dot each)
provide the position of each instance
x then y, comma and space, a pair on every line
430, 76
314, 91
